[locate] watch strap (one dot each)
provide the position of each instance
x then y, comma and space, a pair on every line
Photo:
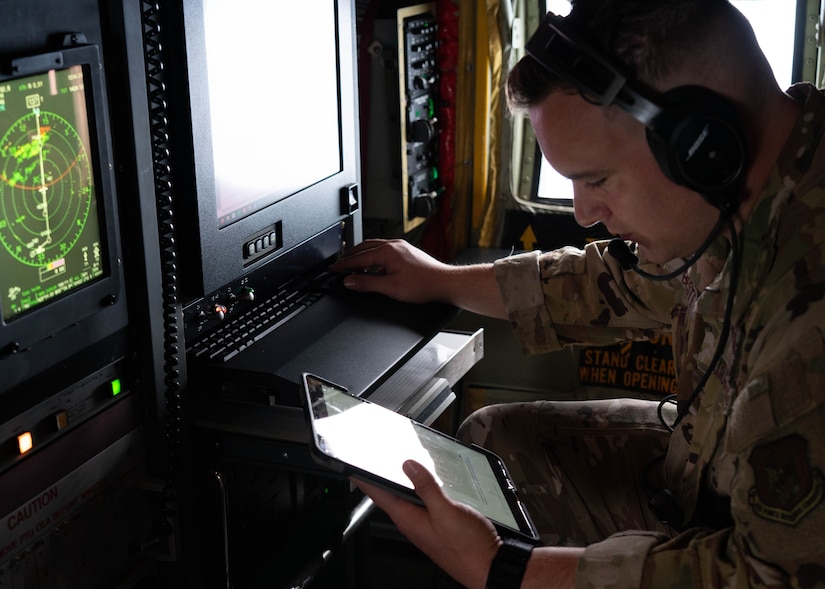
508, 566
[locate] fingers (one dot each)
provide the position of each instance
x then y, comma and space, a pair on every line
363, 282
366, 245
426, 487
367, 266
430, 492
402, 511
366, 254
384, 499
393, 268
456, 537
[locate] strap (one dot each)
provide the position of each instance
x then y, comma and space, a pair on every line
507, 568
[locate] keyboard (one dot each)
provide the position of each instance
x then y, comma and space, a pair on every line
227, 341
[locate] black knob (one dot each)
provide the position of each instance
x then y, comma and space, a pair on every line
421, 206
421, 131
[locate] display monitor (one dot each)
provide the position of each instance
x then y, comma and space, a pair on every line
49, 226
59, 252
263, 107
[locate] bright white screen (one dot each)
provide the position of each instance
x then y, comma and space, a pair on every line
275, 127
377, 440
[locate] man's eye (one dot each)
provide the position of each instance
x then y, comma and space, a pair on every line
597, 183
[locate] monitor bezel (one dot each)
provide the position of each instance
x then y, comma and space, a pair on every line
54, 316
213, 254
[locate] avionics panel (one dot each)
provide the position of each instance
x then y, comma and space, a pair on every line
59, 248
266, 94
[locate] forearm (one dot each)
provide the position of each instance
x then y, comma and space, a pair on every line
473, 288
552, 568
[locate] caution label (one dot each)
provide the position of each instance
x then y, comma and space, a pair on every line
642, 366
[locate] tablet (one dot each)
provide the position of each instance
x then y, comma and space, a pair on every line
357, 438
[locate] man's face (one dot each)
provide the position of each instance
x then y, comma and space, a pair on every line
616, 180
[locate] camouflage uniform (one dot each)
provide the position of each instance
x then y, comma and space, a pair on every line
750, 454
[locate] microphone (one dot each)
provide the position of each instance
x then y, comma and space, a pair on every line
619, 249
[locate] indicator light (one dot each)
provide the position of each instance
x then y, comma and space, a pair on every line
116, 387
25, 442
61, 420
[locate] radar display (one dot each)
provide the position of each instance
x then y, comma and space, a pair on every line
49, 228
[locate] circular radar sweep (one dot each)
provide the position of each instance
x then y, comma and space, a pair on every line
46, 188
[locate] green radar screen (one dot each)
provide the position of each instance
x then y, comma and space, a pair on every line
49, 227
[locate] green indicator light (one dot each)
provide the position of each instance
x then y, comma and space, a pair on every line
431, 104
116, 387
435, 173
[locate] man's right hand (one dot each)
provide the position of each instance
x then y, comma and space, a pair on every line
401, 271
394, 268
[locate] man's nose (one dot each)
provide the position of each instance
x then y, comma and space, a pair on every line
589, 206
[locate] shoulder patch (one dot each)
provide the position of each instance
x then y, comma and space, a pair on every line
786, 488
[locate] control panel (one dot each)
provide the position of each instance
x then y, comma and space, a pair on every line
263, 243
296, 270
418, 73
35, 428
401, 128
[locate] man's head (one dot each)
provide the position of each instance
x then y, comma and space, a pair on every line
652, 41
658, 46
694, 133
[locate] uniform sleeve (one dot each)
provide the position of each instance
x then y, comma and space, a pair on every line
573, 296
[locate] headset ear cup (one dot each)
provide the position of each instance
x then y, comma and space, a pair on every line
657, 140
698, 142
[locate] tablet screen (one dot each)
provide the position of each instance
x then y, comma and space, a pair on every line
375, 441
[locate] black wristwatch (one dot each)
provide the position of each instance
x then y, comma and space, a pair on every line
507, 568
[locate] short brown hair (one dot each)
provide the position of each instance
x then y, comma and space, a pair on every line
645, 38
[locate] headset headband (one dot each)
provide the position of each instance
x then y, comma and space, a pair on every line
571, 58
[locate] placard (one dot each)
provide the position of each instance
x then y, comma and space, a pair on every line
642, 366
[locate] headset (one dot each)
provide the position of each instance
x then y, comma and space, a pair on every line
695, 134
